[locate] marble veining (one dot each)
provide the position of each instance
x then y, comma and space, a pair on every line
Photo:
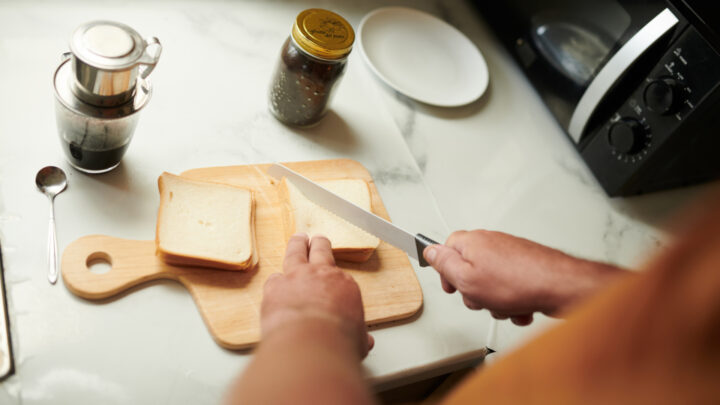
397, 174
571, 165
225, 29
406, 122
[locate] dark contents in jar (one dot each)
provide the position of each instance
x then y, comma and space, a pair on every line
301, 88
92, 146
93, 160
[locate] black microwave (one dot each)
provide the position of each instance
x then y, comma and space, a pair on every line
634, 83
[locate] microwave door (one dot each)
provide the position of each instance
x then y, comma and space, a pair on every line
620, 62
563, 45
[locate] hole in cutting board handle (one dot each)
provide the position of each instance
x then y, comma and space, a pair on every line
99, 263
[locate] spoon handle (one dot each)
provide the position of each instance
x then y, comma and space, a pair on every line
52, 249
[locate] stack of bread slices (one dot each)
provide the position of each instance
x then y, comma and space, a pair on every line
208, 224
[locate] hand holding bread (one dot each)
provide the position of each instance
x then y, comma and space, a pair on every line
313, 289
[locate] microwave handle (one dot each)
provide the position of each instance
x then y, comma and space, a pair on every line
615, 67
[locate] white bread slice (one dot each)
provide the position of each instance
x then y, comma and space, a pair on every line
348, 242
205, 224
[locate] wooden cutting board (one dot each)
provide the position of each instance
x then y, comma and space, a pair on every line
229, 301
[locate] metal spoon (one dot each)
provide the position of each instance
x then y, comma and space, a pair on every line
51, 181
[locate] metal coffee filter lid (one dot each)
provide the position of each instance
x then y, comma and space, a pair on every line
107, 45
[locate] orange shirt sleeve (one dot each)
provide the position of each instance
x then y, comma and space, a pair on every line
649, 338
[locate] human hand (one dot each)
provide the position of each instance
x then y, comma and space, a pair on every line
313, 288
514, 277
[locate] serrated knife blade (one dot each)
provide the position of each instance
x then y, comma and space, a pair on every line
412, 244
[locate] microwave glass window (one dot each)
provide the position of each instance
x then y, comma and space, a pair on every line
563, 45
577, 39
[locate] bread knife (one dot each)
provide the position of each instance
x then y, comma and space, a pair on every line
411, 244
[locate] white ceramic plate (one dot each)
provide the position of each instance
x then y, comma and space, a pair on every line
422, 56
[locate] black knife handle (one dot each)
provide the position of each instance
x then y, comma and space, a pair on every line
421, 242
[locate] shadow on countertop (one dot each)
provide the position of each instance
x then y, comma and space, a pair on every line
332, 132
665, 209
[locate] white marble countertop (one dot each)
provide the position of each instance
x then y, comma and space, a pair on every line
500, 163
503, 163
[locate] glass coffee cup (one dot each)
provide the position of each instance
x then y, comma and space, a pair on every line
100, 87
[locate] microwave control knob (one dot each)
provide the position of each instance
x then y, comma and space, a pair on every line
661, 95
627, 136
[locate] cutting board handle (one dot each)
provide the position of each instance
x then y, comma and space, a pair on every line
132, 262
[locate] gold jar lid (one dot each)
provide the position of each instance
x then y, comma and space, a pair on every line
323, 33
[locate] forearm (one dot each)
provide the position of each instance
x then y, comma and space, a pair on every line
307, 362
578, 280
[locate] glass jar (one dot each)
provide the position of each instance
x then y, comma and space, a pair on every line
312, 61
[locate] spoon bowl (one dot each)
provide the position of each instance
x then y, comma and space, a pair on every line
51, 181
